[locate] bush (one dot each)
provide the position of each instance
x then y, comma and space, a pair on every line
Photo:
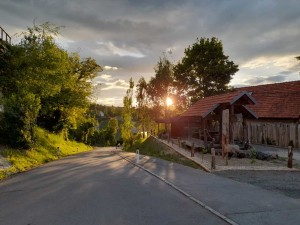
252, 155
19, 119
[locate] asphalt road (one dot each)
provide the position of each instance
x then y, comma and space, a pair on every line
94, 188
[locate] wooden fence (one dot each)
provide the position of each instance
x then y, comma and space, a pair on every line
271, 133
4, 36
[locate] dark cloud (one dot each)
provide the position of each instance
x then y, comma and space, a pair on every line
131, 35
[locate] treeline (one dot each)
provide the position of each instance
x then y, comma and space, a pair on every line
44, 85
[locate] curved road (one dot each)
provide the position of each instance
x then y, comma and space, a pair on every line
94, 188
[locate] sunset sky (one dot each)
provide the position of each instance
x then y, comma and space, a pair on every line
127, 37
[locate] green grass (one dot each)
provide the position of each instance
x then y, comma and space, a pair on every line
152, 147
45, 151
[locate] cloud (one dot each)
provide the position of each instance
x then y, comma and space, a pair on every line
128, 37
265, 80
110, 68
106, 77
108, 48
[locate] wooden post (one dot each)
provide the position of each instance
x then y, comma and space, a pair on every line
290, 157
231, 133
226, 155
220, 129
204, 130
225, 130
193, 150
213, 159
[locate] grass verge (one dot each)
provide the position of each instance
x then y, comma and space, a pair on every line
152, 147
45, 151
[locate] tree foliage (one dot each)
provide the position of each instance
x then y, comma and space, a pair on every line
161, 84
143, 115
54, 84
20, 116
127, 115
204, 69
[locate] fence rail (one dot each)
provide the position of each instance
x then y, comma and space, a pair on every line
279, 134
4, 36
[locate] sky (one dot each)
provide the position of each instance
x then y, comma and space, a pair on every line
127, 37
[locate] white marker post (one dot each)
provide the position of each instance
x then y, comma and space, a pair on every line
137, 156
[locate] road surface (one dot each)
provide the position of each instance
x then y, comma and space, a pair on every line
93, 188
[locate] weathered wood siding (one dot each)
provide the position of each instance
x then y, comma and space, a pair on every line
264, 132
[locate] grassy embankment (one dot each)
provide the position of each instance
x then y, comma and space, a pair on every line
45, 151
152, 147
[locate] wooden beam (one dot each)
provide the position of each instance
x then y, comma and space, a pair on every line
225, 130
231, 134
204, 130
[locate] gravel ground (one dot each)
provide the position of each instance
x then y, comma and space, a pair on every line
285, 182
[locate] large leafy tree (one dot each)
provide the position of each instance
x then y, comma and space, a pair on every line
204, 69
164, 85
53, 82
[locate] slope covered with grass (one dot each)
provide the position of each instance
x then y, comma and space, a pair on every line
44, 151
153, 147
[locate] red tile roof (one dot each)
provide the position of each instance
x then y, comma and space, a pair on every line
279, 100
206, 105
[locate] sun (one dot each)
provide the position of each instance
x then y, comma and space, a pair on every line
169, 101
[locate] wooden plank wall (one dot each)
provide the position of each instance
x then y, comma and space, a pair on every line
277, 133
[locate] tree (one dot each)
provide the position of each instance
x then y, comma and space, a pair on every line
161, 84
111, 130
205, 70
142, 100
127, 115
41, 73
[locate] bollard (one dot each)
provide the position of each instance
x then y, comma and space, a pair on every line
290, 157
213, 159
137, 160
58, 151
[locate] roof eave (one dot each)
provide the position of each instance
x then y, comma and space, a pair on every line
241, 95
251, 112
210, 110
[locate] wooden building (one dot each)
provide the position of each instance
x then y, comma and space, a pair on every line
264, 114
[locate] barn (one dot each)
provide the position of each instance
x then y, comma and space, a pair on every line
264, 114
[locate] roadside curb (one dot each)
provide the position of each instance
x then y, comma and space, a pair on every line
218, 214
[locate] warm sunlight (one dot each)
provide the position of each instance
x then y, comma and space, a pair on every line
169, 101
